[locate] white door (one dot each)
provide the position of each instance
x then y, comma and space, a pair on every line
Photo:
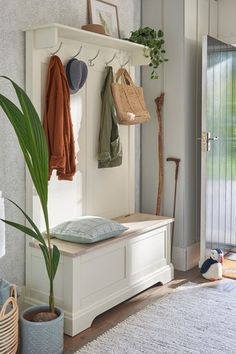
218, 146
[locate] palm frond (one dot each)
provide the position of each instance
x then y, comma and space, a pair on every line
34, 226
32, 140
26, 230
31, 137
55, 260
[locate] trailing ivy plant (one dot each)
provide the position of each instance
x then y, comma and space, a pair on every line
154, 42
32, 141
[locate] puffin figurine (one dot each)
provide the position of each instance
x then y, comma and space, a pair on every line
211, 269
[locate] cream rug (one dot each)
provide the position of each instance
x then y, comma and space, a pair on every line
193, 320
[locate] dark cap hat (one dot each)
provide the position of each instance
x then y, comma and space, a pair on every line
76, 73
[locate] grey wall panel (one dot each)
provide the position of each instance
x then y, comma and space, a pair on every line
151, 17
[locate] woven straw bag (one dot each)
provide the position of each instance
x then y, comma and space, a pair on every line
9, 325
129, 100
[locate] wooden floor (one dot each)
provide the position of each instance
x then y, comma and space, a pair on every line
117, 314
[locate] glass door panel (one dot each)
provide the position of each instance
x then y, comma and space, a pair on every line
218, 198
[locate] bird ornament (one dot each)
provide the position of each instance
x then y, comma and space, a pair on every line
212, 268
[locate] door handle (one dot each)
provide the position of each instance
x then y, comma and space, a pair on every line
206, 140
214, 138
209, 139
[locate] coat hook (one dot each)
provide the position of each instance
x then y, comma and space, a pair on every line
111, 60
91, 60
79, 51
57, 49
122, 65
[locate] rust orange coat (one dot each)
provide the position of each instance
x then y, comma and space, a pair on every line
57, 122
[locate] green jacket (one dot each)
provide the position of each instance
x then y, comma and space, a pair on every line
109, 150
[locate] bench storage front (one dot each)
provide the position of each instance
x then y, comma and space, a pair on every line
93, 278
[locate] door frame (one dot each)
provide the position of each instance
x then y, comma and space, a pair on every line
203, 153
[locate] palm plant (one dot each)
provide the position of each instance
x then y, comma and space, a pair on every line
31, 137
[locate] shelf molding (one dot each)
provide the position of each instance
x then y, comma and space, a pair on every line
49, 36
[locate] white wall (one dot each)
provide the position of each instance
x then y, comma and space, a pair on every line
184, 22
15, 16
227, 21
152, 17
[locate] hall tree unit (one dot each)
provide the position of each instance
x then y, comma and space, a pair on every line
184, 22
92, 278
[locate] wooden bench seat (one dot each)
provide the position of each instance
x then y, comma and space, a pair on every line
95, 277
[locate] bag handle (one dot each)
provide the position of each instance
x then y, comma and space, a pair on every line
14, 292
124, 76
11, 300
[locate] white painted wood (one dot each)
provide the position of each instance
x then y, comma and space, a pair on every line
147, 253
100, 276
108, 190
105, 192
190, 92
207, 13
50, 35
96, 268
227, 18
190, 19
203, 153
185, 258
46, 37
203, 18
179, 258
192, 255
213, 19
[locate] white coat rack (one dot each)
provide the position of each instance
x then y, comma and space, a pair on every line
106, 192
48, 36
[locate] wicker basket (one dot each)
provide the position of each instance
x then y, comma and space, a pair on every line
9, 325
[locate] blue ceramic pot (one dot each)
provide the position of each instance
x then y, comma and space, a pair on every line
42, 337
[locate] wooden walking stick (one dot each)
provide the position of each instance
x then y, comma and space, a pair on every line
159, 105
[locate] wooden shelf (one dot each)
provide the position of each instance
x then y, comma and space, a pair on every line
48, 36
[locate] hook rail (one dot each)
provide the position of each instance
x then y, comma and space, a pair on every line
111, 60
124, 64
92, 60
59, 48
78, 53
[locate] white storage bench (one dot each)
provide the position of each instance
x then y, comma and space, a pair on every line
93, 278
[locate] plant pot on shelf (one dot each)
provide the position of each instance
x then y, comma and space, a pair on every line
41, 337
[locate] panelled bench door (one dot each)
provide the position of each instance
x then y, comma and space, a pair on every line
93, 278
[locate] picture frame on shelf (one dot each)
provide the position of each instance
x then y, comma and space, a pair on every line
105, 14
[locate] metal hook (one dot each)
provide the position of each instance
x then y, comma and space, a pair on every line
78, 52
91, 60
57, 49
122, 65
111, 60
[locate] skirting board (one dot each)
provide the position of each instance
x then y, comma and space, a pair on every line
186, 258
